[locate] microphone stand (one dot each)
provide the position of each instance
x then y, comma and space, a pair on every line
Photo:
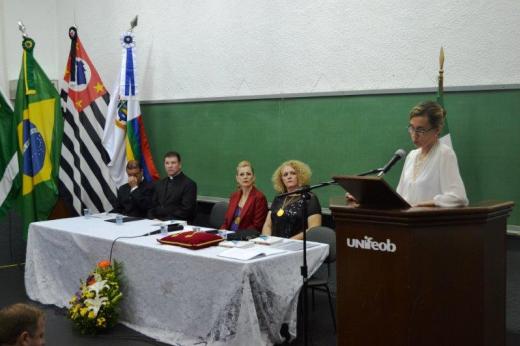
373, 171
305, 193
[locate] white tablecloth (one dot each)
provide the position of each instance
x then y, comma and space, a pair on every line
176, 295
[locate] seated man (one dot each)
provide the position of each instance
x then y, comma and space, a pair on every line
134, 198
22, 324
174, 197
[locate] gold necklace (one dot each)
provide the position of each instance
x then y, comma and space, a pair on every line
417, 165
419, 162
281, 211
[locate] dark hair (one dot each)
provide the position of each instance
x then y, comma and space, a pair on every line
133, 164
432, 110
16, 319
173, 154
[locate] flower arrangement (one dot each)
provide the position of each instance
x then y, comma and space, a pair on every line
94, 307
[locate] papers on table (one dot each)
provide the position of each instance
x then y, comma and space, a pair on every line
267, 240
102, 216
293, 245
250, 253
237, 243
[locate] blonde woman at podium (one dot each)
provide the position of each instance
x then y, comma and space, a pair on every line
430, 174
286, 217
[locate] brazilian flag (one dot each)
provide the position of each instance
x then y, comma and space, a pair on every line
39, 127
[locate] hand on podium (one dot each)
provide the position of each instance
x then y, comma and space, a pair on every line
351, 200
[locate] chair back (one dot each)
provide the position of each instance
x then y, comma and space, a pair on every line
218, 213
326, 235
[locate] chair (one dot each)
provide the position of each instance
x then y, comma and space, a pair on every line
326, 235
218, 212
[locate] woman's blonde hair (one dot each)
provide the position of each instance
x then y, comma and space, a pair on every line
433, 111
246, 163
303, 173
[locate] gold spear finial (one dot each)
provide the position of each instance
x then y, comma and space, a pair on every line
441, 60
441, 69
133, 23
22, 29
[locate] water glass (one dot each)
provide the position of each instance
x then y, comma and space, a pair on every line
119, 219
86, 213
222, 233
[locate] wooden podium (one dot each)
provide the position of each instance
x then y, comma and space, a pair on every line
420, 276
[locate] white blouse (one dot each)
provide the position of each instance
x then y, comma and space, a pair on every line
436, 178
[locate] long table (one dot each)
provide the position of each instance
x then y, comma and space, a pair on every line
175, 295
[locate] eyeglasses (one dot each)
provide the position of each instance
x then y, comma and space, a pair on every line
418, 131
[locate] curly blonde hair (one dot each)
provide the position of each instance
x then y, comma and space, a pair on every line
303, 173
246, 163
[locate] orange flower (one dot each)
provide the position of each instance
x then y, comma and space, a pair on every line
104, 264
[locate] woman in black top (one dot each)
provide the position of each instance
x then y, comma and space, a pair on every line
285, 219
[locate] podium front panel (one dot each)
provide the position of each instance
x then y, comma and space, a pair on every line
377, 281
421, 277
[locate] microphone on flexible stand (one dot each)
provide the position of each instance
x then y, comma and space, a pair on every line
398, 155
171, 227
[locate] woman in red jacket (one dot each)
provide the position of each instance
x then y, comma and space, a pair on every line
248, 205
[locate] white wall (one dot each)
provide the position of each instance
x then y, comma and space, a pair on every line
214, 48
39, 18
3, 62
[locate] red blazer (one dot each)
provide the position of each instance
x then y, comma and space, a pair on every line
252, 214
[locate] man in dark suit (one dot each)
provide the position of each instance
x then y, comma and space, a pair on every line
135, 197
174, 197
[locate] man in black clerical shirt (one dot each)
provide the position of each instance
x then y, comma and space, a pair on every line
134, 198
174, 197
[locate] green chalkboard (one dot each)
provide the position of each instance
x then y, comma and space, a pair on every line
337, 135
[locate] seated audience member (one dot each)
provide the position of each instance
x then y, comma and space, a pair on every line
134, 198
22, 325
430, 175
248, 205
174, 197
285, 219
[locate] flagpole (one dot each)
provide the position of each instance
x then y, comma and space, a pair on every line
445, 134
440, 88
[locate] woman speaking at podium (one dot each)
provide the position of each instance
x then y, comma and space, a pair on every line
430, 174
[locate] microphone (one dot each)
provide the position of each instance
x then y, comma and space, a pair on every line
398, 155
172, 227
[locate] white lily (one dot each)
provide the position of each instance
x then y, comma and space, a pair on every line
98, 286
94, 304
